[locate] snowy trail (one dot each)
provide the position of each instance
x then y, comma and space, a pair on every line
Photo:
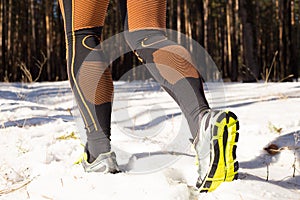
39, 143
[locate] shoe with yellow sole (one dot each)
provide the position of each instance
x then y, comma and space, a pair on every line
104, 163
215, 147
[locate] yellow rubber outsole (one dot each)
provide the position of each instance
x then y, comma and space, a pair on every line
224, 166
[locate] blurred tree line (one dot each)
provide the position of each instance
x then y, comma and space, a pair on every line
249, 40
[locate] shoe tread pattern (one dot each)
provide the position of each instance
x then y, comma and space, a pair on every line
224, 166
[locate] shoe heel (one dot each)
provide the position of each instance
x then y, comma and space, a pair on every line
231, 163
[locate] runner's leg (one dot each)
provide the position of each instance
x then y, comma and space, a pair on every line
89, 76
170, 64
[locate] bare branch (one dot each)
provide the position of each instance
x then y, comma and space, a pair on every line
40, 65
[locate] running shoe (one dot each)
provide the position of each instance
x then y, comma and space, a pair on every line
104, 163
215, 146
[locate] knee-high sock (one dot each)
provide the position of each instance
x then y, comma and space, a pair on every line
89, 76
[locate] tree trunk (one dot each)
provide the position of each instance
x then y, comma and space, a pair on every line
229, 33
187, 26
235, 51
178, 21
171, 16
1, 41
32, 37
205, 19
282, 60
200, 23
294, 42
4, 39
247, 14
48, 35
8, 44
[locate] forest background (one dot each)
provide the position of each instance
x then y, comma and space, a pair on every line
249, 40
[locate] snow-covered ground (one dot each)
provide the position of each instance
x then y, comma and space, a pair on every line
40, 131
